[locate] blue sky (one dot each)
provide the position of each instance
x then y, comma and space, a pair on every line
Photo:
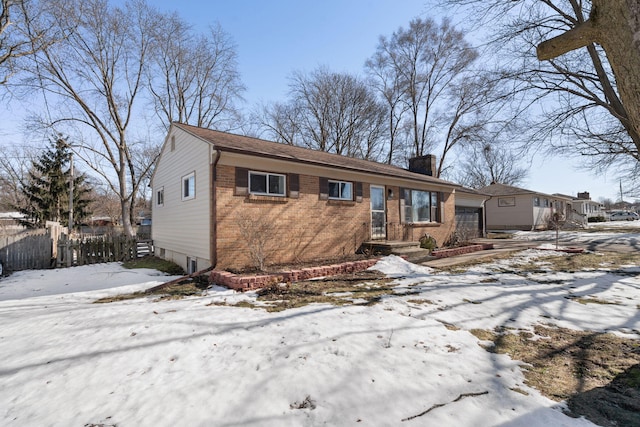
275, 38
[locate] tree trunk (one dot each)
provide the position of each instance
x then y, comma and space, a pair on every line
615, 25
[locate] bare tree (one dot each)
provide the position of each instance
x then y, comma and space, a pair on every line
17, 37
94, 80
416, 67
491, 164
573, 99
615, 26
388, 83
15, 163
329, 111
194, 78
281, 120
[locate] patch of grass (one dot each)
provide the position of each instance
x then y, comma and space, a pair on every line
420, 301
590, 300
157, 264
598, 374
368, 286
608, 229
519, 390
177, 291
449, 326
585, 261
569, 263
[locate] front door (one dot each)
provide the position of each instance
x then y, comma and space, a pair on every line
378, 216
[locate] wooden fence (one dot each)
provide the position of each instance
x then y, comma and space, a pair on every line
30, 249
48, 248
99, 249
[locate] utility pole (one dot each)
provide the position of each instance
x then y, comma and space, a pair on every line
621, 197
70, 193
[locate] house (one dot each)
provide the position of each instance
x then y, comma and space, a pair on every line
513, 208
583, 206
233, 202
11, 222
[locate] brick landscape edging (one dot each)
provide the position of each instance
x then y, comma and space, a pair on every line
247, 283
443, 253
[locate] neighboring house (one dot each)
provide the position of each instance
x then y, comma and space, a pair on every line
10, 221
231, 201
581, 208
513, 208
470, 213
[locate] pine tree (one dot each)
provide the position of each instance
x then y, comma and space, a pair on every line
47, 189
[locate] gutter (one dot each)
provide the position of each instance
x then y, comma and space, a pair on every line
213, 214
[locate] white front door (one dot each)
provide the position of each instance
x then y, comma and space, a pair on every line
378, 216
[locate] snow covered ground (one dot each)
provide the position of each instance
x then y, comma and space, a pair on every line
69, 362
578, 236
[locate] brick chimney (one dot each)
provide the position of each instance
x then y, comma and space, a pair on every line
584, 196
425, 165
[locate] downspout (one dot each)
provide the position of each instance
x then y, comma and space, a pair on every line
484, 214
213, 237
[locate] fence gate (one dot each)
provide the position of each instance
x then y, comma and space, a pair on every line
26, 250
99, 249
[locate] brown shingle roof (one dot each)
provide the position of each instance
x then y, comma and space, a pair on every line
504, 190
258, 147
508, 190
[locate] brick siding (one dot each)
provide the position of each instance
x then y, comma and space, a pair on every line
305, 228
246, 283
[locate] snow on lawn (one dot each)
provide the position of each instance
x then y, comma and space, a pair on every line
144, 362
578, 236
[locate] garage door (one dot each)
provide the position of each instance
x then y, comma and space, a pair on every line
468, 222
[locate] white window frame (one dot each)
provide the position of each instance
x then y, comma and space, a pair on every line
341, 196
160, 196
434, 209
185, 179
536, 201
267, 176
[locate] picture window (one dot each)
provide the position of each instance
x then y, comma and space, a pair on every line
420, 206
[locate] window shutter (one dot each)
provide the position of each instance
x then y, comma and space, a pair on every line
294, 185
242, 182
358, 192
324, 188
441, 210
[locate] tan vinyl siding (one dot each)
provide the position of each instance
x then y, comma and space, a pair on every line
518, 217
182, 227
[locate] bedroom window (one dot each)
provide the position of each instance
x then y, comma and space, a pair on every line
189, 186
269, 184
420, 206
340, 190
